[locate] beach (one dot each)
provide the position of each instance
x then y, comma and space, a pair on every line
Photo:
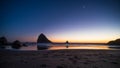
66, 58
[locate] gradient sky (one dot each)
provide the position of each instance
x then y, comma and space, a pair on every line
60, 20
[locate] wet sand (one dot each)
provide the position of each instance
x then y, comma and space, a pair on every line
60, 59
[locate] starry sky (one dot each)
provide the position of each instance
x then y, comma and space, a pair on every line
60, 20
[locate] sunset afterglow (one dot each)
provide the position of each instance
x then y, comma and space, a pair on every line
91, 21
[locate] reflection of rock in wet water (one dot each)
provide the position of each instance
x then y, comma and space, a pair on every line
114, 47
42, 47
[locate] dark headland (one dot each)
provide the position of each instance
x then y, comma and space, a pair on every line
114, 42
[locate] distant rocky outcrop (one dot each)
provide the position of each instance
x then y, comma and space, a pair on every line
115, 42
43, 39
16, 44
3, 41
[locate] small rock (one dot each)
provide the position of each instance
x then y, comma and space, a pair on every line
43, 65
59, 67
114, 62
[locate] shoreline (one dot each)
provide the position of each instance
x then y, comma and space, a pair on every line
113, 49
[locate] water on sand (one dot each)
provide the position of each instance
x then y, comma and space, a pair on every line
63, 46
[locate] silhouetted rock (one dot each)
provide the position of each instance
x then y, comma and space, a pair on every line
16, 44
24, 45
115, 42
3, 41
43, 39
43, 42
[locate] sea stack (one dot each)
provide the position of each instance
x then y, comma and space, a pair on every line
43, 39
43, 42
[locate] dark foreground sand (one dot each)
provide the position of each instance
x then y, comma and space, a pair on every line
60, 59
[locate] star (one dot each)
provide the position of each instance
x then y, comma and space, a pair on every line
83, 6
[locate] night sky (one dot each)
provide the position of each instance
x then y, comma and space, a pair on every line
60, 20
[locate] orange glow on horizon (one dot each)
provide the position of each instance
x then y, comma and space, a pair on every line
81, 41
63, 39
34, 39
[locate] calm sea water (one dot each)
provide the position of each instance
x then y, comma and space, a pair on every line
63, 46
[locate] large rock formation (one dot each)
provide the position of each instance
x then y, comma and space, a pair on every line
3, 41
115, 42
16, 44
43, 42
43, 39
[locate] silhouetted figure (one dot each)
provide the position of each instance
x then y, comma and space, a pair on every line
67, 44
